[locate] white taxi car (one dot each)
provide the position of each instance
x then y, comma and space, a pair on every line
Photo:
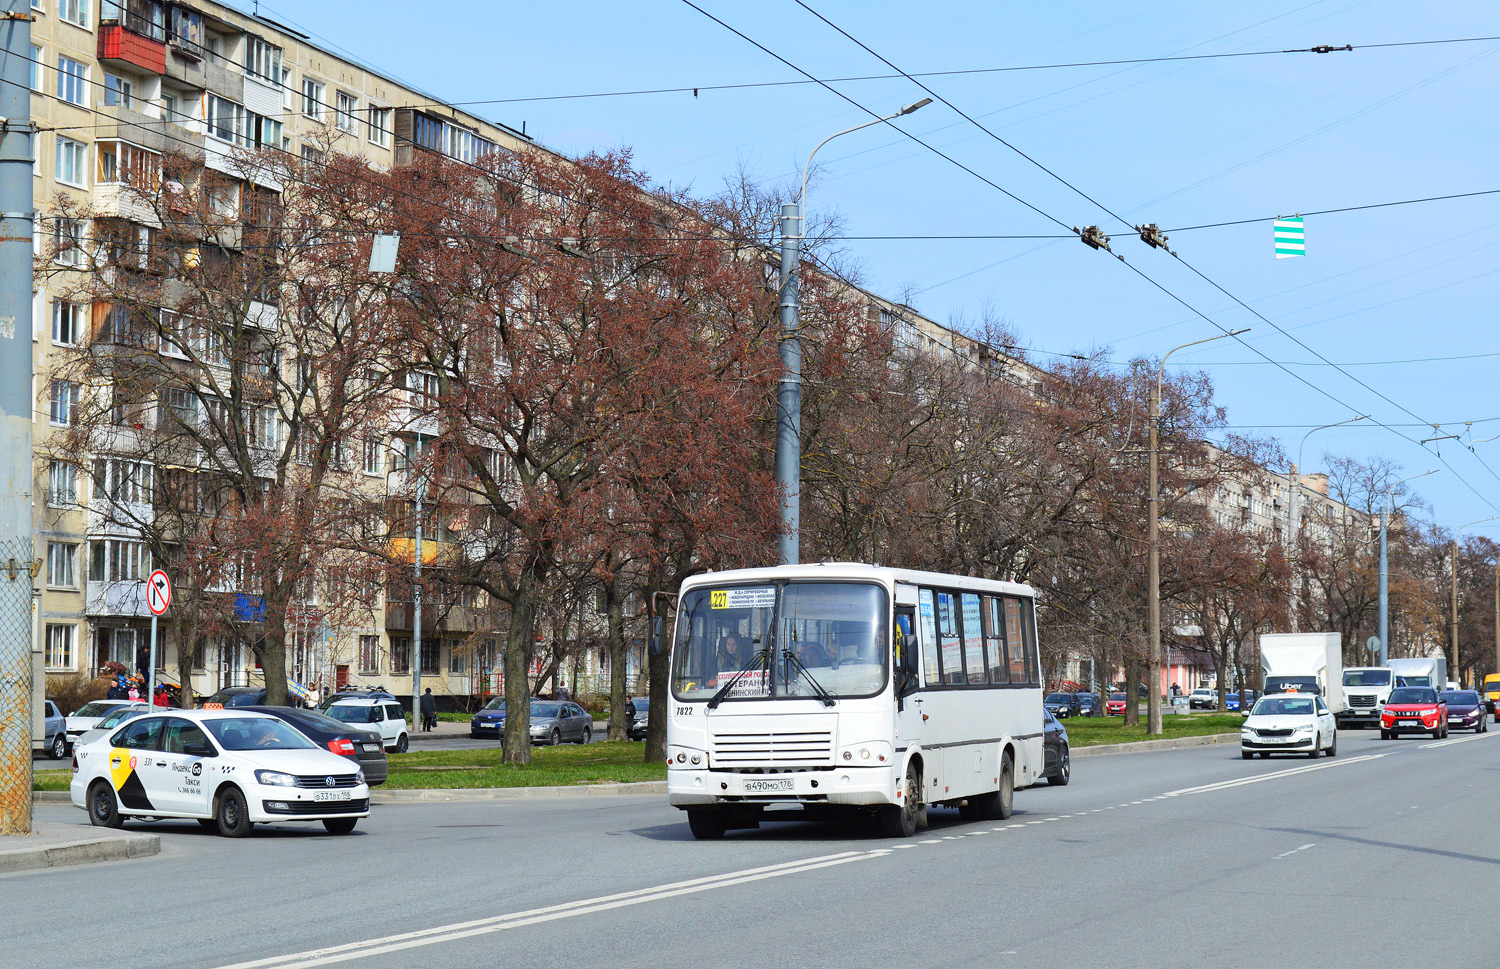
1289, 723
225, 768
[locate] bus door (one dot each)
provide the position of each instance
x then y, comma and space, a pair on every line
906, 653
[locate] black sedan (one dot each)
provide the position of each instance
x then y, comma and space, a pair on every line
359, 744
637, 727
1057, 765
1089, 705
1465, 710
1063, 705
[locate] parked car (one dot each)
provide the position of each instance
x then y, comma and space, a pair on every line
1115, 705
234, 697
1089, 705
363, 745
1203, 699
637, 729
489, 720
116, 716
355, 693
1298, 723
54, 731
1057, 762
1465, 710
87, 717
1062, 705
1240, 700
553, 721
386, 716
1413, 709
228, 769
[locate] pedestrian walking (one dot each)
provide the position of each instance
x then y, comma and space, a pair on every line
629, 709
429, 710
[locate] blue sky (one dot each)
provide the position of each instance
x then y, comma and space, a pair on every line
1178, 144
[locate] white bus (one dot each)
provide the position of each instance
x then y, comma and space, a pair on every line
846, 687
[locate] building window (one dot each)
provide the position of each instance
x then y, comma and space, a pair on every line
371, 463
64, 402
123, 163
67, 238
72, 77
118, 92
430, 657
128, 482
369, 654
287, 94
312, 99
264, 430
62, 484
185, 29
262, 60
70, 165
400, 654
74, 11
59, 646
181, 407
67, 323
348, 104
38, 58
62, 560
457, 662
117, 560
380, 127
226, 120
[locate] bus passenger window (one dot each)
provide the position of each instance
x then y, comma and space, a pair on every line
1028, 637
1013, 640
953, 664
994, 640
932, 667
973, 638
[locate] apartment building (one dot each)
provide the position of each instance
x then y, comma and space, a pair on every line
116, 84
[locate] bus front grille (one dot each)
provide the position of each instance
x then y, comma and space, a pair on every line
747, 749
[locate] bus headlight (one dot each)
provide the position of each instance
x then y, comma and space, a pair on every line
685, 758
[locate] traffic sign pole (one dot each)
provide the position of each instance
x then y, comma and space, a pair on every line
151, 674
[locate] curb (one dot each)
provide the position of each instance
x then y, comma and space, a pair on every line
514, 793
81, 852
1145, 746
51, 797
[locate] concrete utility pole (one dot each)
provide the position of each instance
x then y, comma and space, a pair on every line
1153, 552
789, 387
18, 562
17, 554
416, 607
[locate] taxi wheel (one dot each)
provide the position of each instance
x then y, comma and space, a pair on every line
232, 814
104, 810
340, 825
1333, 748
401, 744
59, 747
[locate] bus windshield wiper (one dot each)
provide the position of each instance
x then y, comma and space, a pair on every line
823, 694
758, 660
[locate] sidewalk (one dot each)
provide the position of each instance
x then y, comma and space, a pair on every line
52, 845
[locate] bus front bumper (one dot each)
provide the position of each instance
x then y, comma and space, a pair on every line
843, 785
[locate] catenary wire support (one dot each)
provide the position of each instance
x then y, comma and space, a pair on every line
1093, 237
1153, 237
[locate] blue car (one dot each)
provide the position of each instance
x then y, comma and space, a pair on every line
489, 721
55, 735
1232, 700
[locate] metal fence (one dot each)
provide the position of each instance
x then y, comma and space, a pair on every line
16, 672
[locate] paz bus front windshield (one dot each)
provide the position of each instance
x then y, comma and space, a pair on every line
789, 640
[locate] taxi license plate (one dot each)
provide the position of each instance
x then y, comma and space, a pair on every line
762, 787
371, 748
332, 796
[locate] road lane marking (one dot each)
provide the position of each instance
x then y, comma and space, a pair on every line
1240, 782
1457, 740
1288, 854
551, 913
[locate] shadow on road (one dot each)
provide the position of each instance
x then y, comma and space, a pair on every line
1372, 843
791, 826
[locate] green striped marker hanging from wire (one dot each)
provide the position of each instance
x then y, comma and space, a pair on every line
1289, 238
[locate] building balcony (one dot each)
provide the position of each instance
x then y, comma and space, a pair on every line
120, 598
122, 46
436, 617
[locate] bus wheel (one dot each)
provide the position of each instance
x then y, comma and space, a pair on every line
900, 820
997, 805
706, 825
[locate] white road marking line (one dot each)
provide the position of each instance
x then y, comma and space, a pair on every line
500, 923
1456, 740
930, 841
1240, 782
1288, 854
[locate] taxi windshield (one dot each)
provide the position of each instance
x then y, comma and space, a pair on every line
256, 733
1283, 706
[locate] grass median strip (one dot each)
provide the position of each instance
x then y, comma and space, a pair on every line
601, 763
1092, 731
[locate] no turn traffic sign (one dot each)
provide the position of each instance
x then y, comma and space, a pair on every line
158, 592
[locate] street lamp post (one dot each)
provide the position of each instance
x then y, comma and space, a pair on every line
1294, 491
1385, 599
789, 388
1453, 568
1153, 556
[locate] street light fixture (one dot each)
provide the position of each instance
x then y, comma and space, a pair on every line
1294, 491
789, 387
1153, 555
1385, 599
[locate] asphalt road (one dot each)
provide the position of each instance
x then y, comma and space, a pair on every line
1183, 858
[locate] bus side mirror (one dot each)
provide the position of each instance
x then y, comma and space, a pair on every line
653, 639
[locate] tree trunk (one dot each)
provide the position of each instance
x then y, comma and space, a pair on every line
516, 748
1132, 691
272, 654
614, 607
656, 714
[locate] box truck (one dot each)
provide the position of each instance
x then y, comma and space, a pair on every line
1421, 671
1303, 662
1366, 688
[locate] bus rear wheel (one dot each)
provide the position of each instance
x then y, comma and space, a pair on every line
998, 805
900, 820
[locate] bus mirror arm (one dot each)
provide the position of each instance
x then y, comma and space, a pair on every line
653, 640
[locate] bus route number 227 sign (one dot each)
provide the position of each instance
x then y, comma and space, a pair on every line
158, 592
763, 597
